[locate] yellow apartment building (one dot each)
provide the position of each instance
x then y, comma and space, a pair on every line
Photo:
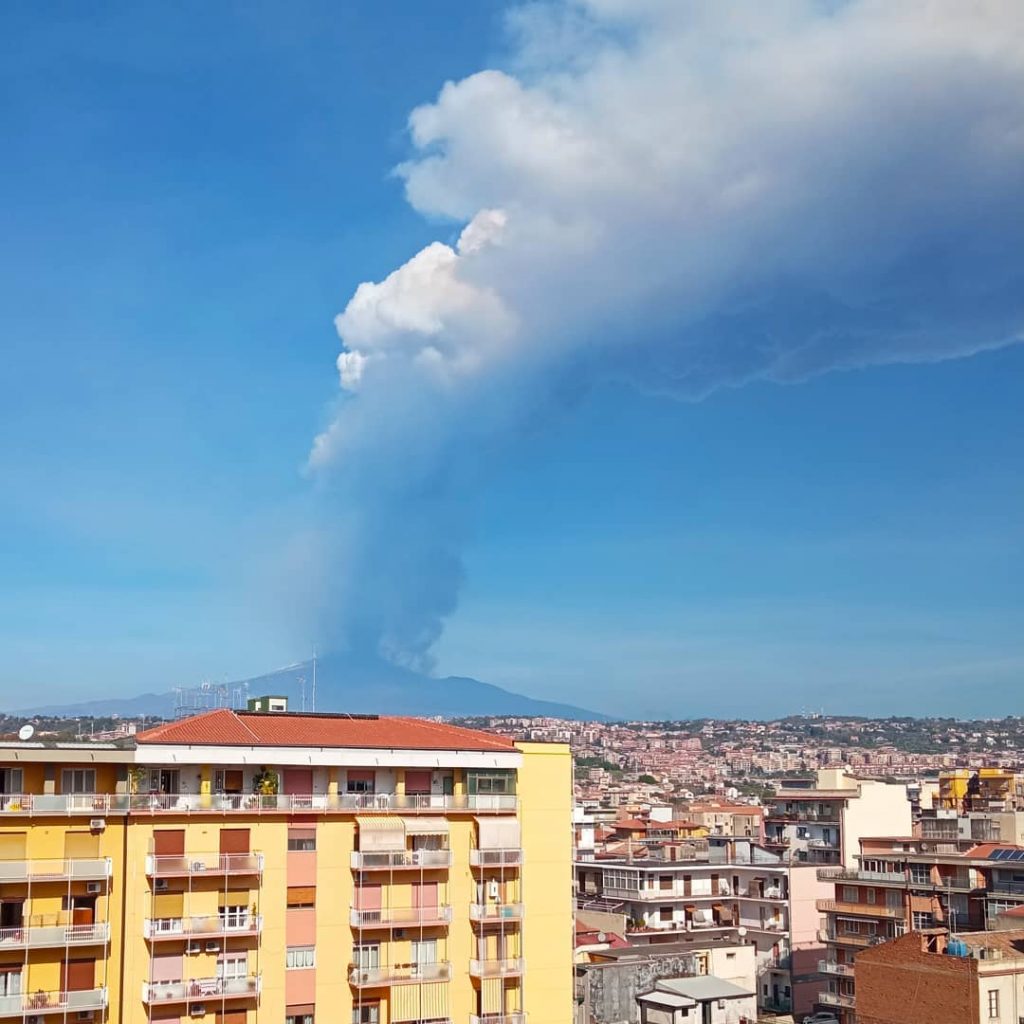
266, 866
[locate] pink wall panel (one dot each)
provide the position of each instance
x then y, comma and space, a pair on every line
302, 867
300, 986
300, 928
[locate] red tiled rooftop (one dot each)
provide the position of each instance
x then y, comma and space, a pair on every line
226, 728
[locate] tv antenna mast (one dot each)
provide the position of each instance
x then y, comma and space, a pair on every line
314, 680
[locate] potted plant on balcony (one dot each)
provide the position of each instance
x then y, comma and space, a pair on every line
264, 783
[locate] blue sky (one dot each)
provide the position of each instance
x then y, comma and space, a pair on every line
191, 195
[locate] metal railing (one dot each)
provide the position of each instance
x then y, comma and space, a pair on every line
503, 968
837, 999
398, 974
496, 911
400, 917
55, 870
853, 938
54, 935
33, 1003
834, 967
506, 858
101, 804
198, 989
170, 928
862, 909
162, 866
497, 1018
383, 860
855, 875
1007, 888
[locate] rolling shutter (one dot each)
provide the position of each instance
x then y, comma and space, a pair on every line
12, 845
233, 898
419, 1002
169, 904
491, 995
169, 842
82, 845
234, 840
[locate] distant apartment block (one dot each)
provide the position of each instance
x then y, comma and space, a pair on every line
821, 821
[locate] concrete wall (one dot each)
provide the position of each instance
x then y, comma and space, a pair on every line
608, 991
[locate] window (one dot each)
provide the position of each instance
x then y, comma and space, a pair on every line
871, 895
234, 918
424, 953
299, 1018
78, 780
993, 1004
232, 965
10, 782
301, 839
922, 919
368, 1014
491, 782
920, 874
850, 894
893, 899
301, 896
664, 913
665, 882
359, 781
298, 958
367, 956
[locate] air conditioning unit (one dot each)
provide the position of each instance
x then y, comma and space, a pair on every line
93, 888
415, 856
199, 865
34, 1020
84, 1015
197, 1010
160, 884
213, 947
97, 825
195, 947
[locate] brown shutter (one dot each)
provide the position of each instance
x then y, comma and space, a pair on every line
12, 845
301, 895
232, 1016
78, 975
234, 840
168, 842
417, 783
233, 898
83, 845
169, 904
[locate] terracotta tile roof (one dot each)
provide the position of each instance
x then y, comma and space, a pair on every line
1009, 942
226, 728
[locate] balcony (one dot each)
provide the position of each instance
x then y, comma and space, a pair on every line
204, 864
98, 805
55, 935
828, 816
54, 870
832, 967
498, 1018
852, 938
391, 860
855, 875
401, 917
507, 858
33, 1003
505, 968
848, 1002
1004, 888
862, 909
398, 974
199, 989
170, 929
493, 912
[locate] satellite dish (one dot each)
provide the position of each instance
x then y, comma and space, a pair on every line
26, 732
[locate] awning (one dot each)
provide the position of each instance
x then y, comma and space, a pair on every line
426, 826
498, 833
380, 832
670, 1000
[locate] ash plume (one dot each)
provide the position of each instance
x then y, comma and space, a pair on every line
679, 197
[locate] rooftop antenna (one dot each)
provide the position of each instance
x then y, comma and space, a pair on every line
302, 690
314, 680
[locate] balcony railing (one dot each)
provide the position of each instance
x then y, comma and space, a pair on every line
863, 909
99, 805
496, 911
1007, 888
33, 1003
199, 989
837, 999
833, 967
497, 1018
160, 866
54, 935
507, 858
170, 929
814, 814
400, 917
388, 860
398, 974
852, 938
54, 870
855, 875
505, 968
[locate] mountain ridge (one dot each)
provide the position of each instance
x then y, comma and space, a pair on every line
357, 685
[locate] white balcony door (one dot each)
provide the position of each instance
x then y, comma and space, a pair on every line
424, 953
